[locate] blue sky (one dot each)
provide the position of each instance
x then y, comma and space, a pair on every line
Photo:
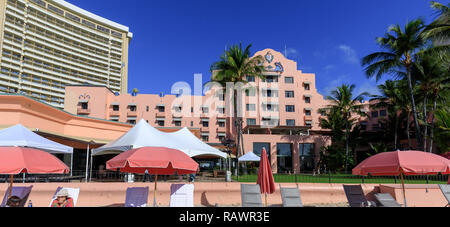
173, 39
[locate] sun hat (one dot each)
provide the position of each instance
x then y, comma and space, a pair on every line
62, 192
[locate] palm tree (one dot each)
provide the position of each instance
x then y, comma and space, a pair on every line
233, 67
431, 70
134, 92
392, 99
344, 104
401, 48
439, 30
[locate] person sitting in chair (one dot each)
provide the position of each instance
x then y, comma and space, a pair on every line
13, 201
62, 199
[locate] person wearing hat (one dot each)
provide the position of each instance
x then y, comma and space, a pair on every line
62, 199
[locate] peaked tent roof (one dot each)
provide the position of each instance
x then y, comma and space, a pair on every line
249, 157
20, 136
145, 135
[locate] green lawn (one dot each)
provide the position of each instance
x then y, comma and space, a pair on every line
345, 179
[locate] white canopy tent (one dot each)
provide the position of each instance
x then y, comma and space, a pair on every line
249, 157
20, 136
145, 135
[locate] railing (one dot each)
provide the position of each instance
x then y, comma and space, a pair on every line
346, 178
209, 176
83, 111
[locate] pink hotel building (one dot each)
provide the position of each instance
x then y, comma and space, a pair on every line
280, 113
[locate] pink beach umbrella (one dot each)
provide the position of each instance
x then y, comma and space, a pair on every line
157, 160
16, 160
265, 177
403, 163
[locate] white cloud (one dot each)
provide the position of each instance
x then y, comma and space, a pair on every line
349, 53
291, 52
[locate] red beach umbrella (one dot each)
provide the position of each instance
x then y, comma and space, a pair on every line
403, 163
157, 160
265, 177
16, 160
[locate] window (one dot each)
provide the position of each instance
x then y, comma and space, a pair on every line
160, 123
221, 110
308, 123
205, 138
89, 24
192, 123
307, 99
147, 108
307, 87
221, 97
178, 123
161, 109
205, 110
72, 17
374, 114
284, 157
308, 112
271, 93
115, 107
133, 108
250, 107
271, 79
289, 94
251, 121
133, 122
177, 109
84, 106
290, 108
221, 124
270, 107
205, 124
250, 78
307, 156
250, 92
289, 80
382, 113
258, 147
54, 9
221, 138
323, 113
290, 122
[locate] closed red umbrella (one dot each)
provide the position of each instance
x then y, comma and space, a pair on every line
403, 163
16, 160
157, 160
265, 177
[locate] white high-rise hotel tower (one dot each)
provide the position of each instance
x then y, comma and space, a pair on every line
48, 44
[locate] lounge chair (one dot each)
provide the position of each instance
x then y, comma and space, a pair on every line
251, 195
445, 188
136, 197
356, 197
73, 193
386, 200
182, 195
21, 192
291, 197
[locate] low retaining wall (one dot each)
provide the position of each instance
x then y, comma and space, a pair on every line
205, 193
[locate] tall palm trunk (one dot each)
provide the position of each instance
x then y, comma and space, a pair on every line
425, 127
238, 128
432, 124
346, 145
414, 110
407, 130
396, 132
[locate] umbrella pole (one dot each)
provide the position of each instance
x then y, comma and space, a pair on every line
403, 187
154, 191
265, 195
10, 186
